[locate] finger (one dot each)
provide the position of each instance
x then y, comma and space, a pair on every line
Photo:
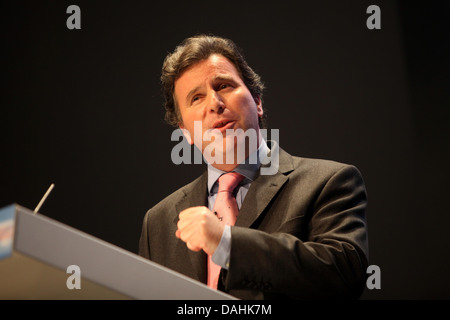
187, 224
193, 247
185, 221
189, 233
194, 236
191, 211
193, 216
187, 212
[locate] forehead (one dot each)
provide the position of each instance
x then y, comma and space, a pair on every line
214, 66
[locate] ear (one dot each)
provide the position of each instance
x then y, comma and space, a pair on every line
186, 134
259, 108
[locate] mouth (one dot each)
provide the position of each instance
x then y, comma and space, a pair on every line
223, 124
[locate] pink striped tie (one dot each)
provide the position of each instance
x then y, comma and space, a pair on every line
227, 210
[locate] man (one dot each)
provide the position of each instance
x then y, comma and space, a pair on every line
299, 232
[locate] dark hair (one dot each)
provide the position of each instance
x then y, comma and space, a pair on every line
193, 50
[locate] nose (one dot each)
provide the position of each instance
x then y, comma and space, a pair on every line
216, 103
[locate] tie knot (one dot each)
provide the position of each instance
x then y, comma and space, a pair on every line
229, 181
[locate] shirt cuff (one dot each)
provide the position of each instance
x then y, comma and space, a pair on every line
221, 256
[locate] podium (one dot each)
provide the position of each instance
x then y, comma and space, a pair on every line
40, 259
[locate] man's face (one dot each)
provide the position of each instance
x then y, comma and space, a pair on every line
212, 92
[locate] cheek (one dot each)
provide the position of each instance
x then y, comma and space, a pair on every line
188, 117
250, 109
194, 125
243, 101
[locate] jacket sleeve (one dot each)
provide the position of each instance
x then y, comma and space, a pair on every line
330, 262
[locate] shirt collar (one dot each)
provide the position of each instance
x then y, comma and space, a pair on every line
248, 169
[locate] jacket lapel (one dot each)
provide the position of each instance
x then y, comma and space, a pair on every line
195, 194
263, 189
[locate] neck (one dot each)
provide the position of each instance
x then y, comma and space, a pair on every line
237, 159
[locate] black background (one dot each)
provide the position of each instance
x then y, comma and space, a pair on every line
83, 109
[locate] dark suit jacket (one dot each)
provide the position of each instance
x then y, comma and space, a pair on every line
301, 233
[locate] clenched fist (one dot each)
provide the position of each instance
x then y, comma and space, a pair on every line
200, 229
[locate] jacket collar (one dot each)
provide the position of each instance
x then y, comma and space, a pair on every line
264, 188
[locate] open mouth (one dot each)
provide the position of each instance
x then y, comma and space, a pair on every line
223, 124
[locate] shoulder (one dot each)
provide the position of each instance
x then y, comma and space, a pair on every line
322, 166
327, 181
315, 166
293, 165
314, 171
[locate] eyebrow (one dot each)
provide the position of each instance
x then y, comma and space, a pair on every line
222, 77
191, 93
216, 78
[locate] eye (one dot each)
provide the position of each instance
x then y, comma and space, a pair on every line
223, 86
196, 99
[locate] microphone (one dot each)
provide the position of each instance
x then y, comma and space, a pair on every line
44, 198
